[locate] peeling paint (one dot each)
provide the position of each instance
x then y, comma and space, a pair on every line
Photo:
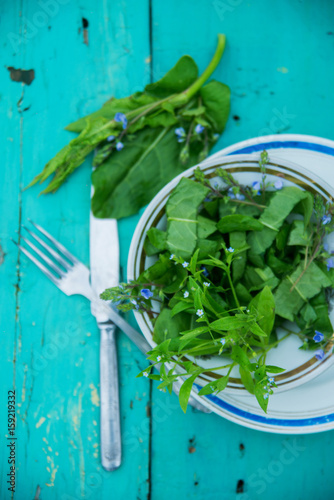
40, 422
94, 397
283, 70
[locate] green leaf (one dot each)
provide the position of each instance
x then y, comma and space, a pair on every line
181, 211
280, 206
239, 356
205, 227
238, 223
243, 294
274, 369
320, 306
193, 262
185, 390
289, 303
73, 155
207, 247
177, 79
181, 306
229, 323
129, 179
216, 99
298, 235
259, 393
246, 379
216, 385
306, 207
282, 236
169, 327
256, 278
155, 241
264, 304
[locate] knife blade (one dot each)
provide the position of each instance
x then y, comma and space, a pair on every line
104, 273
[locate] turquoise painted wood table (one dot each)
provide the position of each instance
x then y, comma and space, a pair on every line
76, 54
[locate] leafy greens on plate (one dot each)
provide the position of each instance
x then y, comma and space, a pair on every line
234, 263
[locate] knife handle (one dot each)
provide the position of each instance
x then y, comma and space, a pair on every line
109, 415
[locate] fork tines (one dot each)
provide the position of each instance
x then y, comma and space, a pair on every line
59, 256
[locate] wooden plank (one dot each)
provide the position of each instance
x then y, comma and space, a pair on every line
275, 64
56, 339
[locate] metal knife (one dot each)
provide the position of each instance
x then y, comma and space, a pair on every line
104, 272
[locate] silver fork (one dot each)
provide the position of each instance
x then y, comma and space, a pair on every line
73, 279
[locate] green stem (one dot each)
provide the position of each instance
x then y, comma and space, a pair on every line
187, 94
231, 285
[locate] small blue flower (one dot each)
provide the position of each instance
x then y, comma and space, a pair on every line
185, 264
145, 374
216, 137
319, 354
186, 294
326, 247
206, 284
222, 341
326, 219
110, 138
271, 380
159, 358
240, 196
278, 184
133, 301
230, 249
121, 118
318, 337
231, 194
200, 312
180, 134
330, 264
171, 257
119, 146
266, 396
146, 293
205, 271
199, 128
256, 187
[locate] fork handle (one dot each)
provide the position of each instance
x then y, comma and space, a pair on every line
109, 415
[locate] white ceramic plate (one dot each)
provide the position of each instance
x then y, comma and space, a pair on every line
295, 411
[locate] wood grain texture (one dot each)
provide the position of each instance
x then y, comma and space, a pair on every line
278, 63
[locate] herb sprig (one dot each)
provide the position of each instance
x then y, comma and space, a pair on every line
145, 140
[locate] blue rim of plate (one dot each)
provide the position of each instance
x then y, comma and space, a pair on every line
234, 410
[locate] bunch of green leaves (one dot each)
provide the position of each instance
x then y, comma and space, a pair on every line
233, 264
168, 127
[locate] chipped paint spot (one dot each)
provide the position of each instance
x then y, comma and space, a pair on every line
148, 59
283, 70
85, 25
53, 472
89, 334
94, 397
40, 422
94, 422
26, 76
